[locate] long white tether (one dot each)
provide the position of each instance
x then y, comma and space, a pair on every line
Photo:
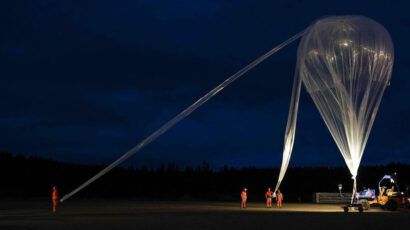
184, 114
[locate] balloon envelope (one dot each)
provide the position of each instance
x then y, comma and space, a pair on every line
345, 64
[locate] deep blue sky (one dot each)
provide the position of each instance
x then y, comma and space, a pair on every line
83, 81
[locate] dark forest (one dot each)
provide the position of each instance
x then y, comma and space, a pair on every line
32, 177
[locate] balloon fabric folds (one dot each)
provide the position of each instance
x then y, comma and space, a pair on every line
345, 64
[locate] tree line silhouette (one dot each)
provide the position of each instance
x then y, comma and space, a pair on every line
32, 177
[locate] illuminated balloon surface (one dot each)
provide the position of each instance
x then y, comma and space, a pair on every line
345, 64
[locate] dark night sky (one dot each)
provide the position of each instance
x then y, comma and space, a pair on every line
83, 81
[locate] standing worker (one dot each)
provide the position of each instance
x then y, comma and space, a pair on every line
54, 197
244, 197
269, 196
279, 199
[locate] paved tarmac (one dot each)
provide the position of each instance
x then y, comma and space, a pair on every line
108, 214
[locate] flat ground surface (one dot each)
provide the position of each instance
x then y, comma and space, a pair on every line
103, 214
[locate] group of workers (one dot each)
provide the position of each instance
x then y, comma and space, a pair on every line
269, 195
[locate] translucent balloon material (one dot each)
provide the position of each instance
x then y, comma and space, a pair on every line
290, 127
345, 64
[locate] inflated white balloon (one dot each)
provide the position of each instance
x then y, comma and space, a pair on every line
345, 64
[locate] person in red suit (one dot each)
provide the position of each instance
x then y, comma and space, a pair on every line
54, 198
279, 199
244, 197
269, 196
